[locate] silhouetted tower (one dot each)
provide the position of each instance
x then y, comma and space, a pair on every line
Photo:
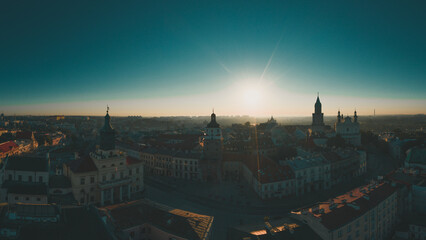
318, 117
339, 118
355, 116
107, 134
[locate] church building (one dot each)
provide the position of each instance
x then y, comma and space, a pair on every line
348, 129
107, 175
318, 118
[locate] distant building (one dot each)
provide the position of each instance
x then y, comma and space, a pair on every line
144, 219
318, 117
368, 212
348, 129
106, 176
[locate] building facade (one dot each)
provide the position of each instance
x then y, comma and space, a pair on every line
348, 129
107, 175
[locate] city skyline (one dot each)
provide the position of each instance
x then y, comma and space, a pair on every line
183, 59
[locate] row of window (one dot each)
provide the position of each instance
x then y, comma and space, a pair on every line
29, 179
17, 198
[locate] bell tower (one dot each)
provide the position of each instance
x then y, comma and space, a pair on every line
318, 117
107, 134
213, 141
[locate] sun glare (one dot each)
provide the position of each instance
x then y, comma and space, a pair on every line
252, 96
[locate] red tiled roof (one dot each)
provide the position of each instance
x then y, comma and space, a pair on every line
7, 146
132, 160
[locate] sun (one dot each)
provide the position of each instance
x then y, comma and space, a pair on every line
252, 96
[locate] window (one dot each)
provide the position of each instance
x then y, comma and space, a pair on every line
27, 198
137, 170
40, 179
10, 177
30, 178
20, 177
349, 228
82, 181
16, 198
38, 199
103, 178
92, 198
92, 179
121, 175
130, 172
112, 176
339, 233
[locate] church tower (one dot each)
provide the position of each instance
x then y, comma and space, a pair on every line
318, 117
107, 134
355, 117
213, 141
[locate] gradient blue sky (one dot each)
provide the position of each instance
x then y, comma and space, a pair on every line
185, 57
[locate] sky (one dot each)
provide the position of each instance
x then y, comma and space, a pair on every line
175, 58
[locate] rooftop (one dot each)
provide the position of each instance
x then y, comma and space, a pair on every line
82, 164
7, 146
347, 207
175, 221
281, 229
25, 188
417, 155
26, 163
132, 160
